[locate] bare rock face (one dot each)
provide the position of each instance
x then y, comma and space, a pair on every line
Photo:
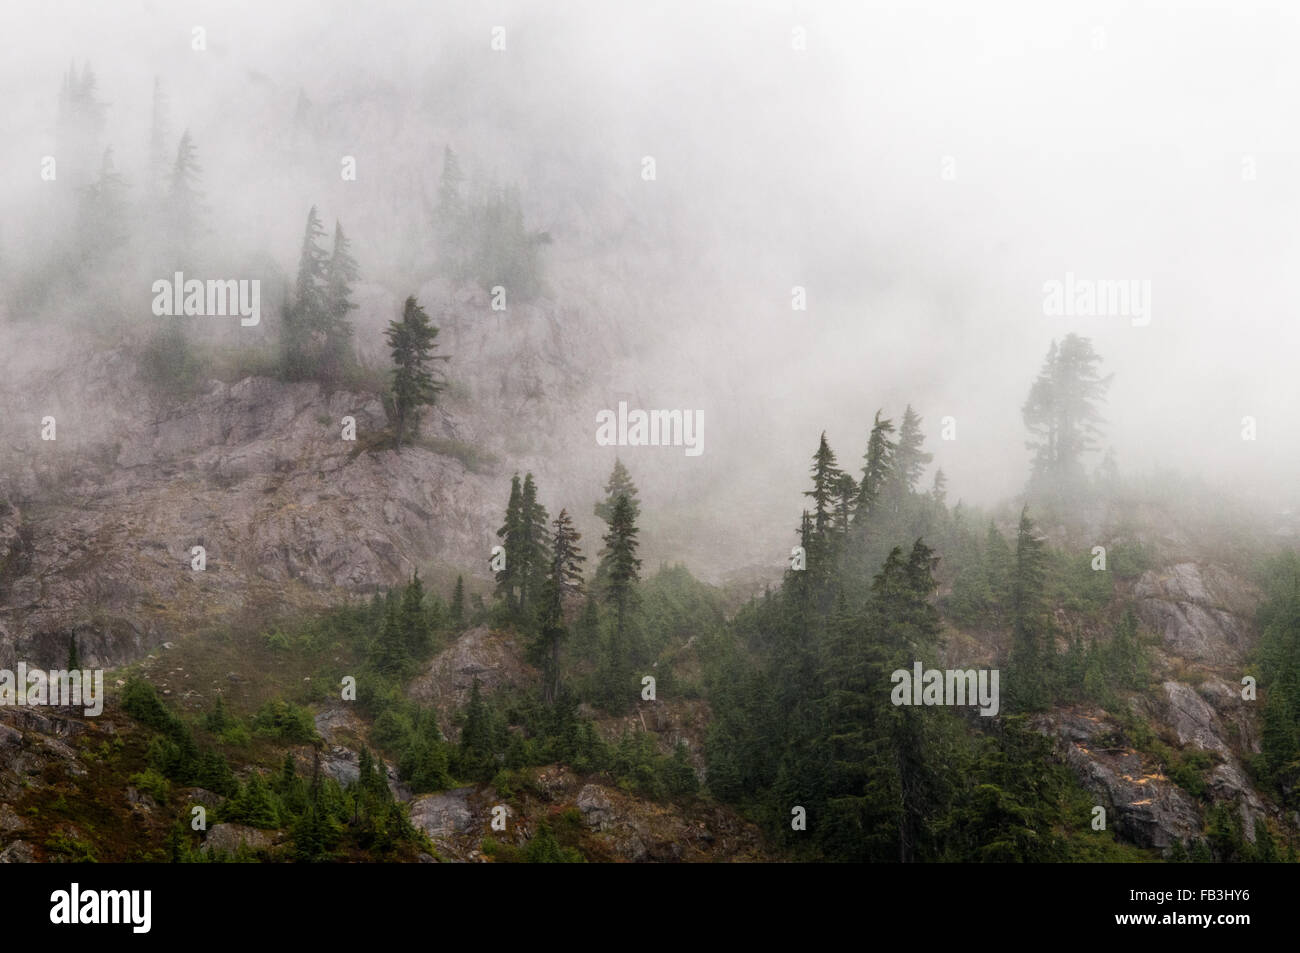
19, 852
595, 807
228, 838
96, 537
444, 816
1143, 805
1193, 719
494, 658
1200, 611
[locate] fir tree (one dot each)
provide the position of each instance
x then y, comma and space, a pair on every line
1061, 412
184, 200
877, 463
340, 274
1031, 649
533, 552
511, 534
909, 460
412, 341
564, 580
622, 570
458, 602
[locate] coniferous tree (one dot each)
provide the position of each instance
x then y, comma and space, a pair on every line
340, 273
564, 580
511, 534
475, 755
621, 574
417, 638
1061, 412
390, 654
619, 484
184, 199
826, 489
877, 463
533, 552
412, 340
1032, 653
909, 460
101, 225
304, 317
458, 602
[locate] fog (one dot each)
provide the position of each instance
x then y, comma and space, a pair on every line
921, 169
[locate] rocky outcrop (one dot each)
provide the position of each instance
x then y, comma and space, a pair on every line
96, 542
1200, 610
1142, 805
494, 658
229, 838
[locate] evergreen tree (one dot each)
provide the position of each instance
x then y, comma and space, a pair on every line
826, 489
1032, 653
1061, 412
511, 534
619, 484
305, 317
417, 638
909, 460
340, 274
390, 654
185, 200
877, 463
534, 553
475, 756
939, 490
458, 603
101, 226
619, 555
74, 656
412, 341
564, 580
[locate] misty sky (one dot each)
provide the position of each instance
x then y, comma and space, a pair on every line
778, 167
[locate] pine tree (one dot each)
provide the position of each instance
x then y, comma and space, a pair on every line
939, 490
412, 341
417, 638
877, 463
449, 227
621, 574
476, 750
185, 200
458, 602
390, 654
619, 484
1031, 648
909, 460
533, 553
340, 273
564, 580
826, 489
74, 657
102, 214
511, 535
305, 317
1061, 412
